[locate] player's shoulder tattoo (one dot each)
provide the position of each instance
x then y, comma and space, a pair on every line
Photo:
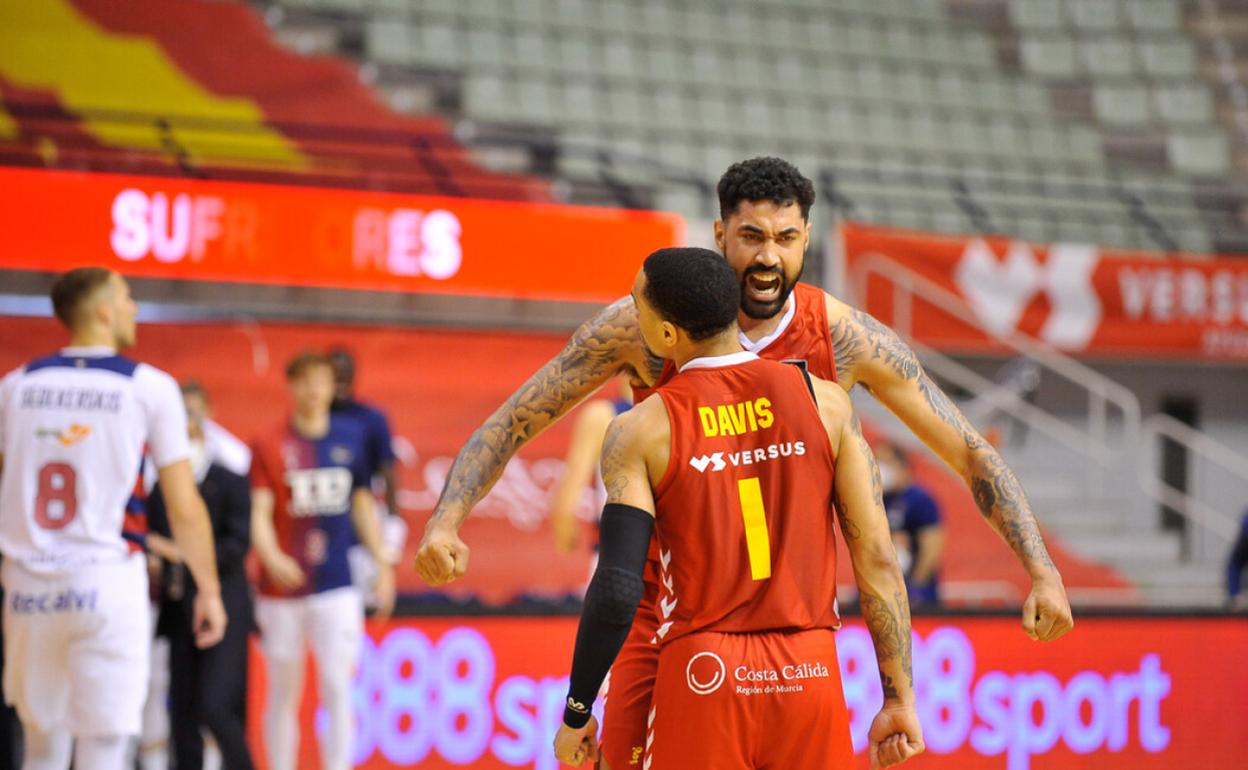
858, 339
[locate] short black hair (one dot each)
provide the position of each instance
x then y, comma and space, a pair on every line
764, 179
304, 361
72, 289
343, 363
694, 289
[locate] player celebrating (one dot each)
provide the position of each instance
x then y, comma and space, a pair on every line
763, 233
310, 490
73, 427
731, 462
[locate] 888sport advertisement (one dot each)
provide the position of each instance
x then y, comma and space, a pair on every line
1138, 693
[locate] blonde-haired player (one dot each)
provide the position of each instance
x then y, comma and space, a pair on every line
73, 426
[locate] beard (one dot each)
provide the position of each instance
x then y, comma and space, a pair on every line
763, 310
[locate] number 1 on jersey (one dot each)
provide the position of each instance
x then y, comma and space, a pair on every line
757, 541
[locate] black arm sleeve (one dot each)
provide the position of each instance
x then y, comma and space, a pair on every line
610, 603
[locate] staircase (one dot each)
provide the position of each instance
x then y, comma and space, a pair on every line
1090, 474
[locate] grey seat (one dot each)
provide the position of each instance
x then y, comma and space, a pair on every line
1124, 105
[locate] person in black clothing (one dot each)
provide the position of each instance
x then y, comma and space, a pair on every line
1236, 566
207, 687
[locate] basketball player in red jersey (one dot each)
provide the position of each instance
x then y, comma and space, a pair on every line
763, 233
735, 464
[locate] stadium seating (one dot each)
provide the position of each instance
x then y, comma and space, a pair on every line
852, 87
194, 86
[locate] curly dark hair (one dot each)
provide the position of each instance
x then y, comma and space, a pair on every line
764, 179
694, 289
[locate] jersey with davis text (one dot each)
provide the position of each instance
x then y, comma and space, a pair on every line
73, 427
313, 482
744, 516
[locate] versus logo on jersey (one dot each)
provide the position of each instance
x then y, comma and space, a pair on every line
736, 419
66, 436
716, 460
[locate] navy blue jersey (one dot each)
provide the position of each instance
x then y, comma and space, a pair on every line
376, 432
912, 510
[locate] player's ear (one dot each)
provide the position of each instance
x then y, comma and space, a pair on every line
669, 334
721, 231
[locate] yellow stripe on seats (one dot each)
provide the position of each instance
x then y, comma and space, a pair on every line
8, 126
49, 44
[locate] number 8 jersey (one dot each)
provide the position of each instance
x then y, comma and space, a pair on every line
73, 427
744, 513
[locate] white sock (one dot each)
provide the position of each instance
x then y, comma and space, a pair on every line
281, 714
334, 684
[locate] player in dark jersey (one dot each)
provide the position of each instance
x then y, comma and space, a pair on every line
310, 500
763, 233
735, 464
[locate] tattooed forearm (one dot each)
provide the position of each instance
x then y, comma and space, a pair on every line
943, 408
600, 348
877, 485
889, 624
1000, 498
613, 477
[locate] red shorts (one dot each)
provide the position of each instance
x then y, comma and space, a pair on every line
747, 701
623, 737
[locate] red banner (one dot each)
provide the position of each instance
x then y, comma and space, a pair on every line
1116, 694
1079, 298
300, 236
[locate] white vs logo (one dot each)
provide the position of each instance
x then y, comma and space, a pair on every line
999, 291
716, 461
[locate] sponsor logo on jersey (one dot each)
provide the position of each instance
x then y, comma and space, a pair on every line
319, 491
718, 461
65, 436
48, 603
736, 419
341, 455
705, 673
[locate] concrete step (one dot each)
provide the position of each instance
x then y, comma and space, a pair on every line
1073, 519
1161, 575
1122, 548
1183, 597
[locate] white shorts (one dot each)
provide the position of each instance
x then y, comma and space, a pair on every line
331, 623
76, 647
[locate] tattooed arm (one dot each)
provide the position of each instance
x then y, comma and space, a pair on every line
894, 735
602, 347
871, 354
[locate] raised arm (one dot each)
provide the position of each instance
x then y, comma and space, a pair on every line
895, 734
871, 354
602, 347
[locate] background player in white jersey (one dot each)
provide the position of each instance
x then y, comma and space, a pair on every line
73, 426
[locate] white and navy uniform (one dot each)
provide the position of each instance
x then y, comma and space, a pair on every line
73, 430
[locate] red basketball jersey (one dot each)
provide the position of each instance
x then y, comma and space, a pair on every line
802, 335
744, 518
